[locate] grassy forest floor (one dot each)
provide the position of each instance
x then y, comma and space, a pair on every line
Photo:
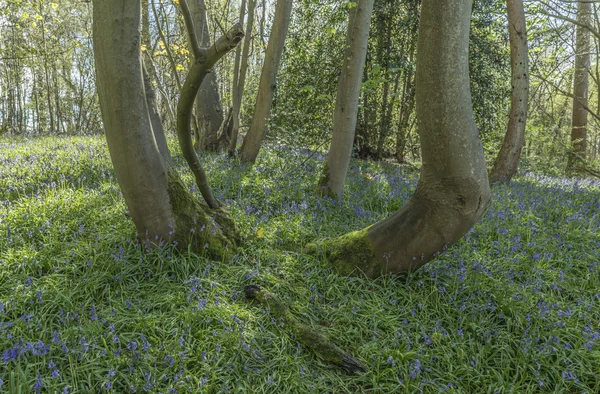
514, 307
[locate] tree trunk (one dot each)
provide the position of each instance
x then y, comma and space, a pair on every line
346, 104
385, 120
155, 121
507, 162
580, 88
266, 88
160, 204
241, 82
453, 191
209, 112
236, 77
407, 105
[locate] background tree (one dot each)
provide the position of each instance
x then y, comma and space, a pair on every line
266, 91
240, 78
580, 86
346, 105
507, 162
208, 109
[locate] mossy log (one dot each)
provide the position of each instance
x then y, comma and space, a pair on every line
308, 337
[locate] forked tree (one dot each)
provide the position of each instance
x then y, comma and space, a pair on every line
159, 203
452, 193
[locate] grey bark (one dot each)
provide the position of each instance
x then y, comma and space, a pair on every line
580, 87
204, 60
241, 82
407, 105
155, 120
507, 162
453, 190
141, 172
209, 112
236, 75
266, 89
346, 104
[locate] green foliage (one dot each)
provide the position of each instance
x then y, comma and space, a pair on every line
489, 65
512, 307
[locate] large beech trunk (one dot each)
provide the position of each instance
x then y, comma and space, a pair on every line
580, 87
160, 204
266, 88
346, 103
453, 191
507, 162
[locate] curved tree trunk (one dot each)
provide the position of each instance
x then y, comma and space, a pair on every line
266, 88
453, 190
160, 204
507, 162
241, 81
209, 112
580, 87
346, 103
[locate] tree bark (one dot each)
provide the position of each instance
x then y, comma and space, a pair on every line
241, 82
236, 78
160, 204
507, 162
385, 60
580, 87
407, 105
266, 89
453, 190
155, 121
209, 112
204, 60
346, 104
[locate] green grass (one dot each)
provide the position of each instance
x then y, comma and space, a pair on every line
514, 307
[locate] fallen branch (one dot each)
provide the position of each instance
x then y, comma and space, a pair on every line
308, 337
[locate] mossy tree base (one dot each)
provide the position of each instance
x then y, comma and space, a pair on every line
199, 228
348, 253
308, 337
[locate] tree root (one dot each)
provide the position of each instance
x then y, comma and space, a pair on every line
303, 333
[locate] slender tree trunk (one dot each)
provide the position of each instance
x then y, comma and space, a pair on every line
209, 112
46, 71
266, 88
453, 191
160, 204
346, 103
407, 105
155, 120
580, 88
385, 120
237, 105
236, 78
507, 162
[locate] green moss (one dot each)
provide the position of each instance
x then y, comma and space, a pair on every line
197, 227
348, 253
